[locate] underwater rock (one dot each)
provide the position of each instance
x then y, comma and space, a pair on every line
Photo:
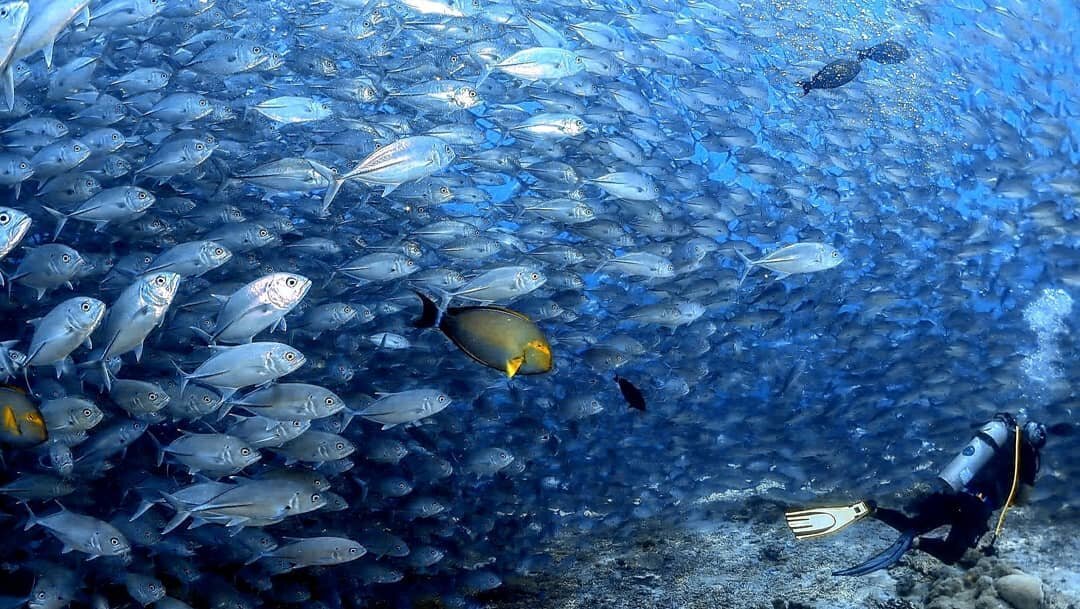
1020, 590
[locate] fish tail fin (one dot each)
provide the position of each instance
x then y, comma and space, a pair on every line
32, 519
106, 374
484, 73
158, 447
183, 377
203, 334
429, 317
331, 192
749, 266
182, 513
9, 89
61, 220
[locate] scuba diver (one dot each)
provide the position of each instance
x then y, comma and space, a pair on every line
995, 470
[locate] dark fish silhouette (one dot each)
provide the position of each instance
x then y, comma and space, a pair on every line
833, 75
630, 393
885, 52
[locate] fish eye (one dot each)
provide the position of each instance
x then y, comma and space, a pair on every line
23, 165
115, 137
86, 306
577, 60
297, 424
206, 399
86, 412
256, 50
367, 24
290, 356
142, 195
89, 183
264, 233
159, 280
835, 254
4, 218
329, 401
77, 148
449, 149
218, 251
536, 276
352, 550
291, 282
245, 451
152, 396
347, 309
115, 541
444, 190
202, 102
200, 146
579, 123
236, 213
454, 58
163, 76
66, 258
314, 497
151, 587
340, 445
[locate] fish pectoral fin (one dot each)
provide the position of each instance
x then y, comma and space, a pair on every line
513, 365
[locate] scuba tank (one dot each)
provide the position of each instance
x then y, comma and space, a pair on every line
991, 437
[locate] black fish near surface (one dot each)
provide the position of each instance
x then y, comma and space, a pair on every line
889, 51
835, 74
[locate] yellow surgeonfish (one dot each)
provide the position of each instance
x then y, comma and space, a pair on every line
21, 423
496, 337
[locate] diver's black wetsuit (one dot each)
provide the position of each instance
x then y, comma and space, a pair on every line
968, 512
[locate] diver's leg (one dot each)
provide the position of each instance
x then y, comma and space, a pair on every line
894, 518
962, 535
947, 550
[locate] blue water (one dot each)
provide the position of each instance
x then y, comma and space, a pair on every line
947, 183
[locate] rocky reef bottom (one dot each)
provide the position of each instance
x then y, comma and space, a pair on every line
749, 560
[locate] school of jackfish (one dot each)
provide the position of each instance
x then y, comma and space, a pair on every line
295, 285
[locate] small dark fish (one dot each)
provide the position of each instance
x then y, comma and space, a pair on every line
633, 396
885, 52
835, 74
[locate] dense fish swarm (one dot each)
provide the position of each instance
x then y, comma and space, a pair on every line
217, 215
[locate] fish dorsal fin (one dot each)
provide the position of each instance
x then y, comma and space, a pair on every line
509, 312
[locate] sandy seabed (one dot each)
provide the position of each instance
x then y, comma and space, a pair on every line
749, 560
